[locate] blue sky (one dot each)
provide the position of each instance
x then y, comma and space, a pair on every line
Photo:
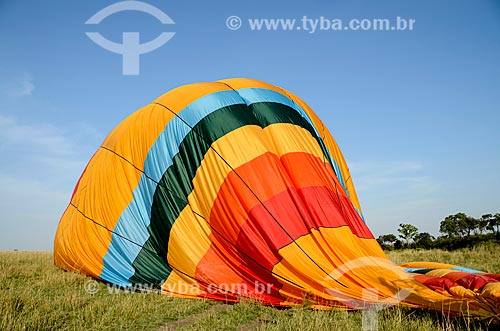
416, 113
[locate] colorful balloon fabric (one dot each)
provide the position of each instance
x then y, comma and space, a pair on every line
236, 189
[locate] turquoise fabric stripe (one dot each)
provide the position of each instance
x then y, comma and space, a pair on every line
135, 219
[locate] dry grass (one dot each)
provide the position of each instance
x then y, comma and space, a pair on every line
34, 295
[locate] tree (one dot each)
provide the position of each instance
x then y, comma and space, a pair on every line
492, 221
449, 227
458, 226
484, 222
407, 232
495, 223
424, 240
471, 225
387, 240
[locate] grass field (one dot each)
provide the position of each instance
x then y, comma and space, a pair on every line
35, 295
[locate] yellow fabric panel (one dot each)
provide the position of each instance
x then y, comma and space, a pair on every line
343, 247
240, 83
462, 292
184, 253
110, 179
357, 263
492, 289
210, 176
179, 284
491, 292
180, 97
75, 223
284, 138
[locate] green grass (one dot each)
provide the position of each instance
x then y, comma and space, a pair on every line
484, 257
35, 295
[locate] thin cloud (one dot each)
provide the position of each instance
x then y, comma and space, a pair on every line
44, 163
30, 211
38, 138
393, 192
410, 175
20, 87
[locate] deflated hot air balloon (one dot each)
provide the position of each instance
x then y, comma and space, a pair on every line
236, 189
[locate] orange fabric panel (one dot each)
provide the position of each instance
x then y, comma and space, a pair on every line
111, 179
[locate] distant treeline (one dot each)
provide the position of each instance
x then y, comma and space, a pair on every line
458, 231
